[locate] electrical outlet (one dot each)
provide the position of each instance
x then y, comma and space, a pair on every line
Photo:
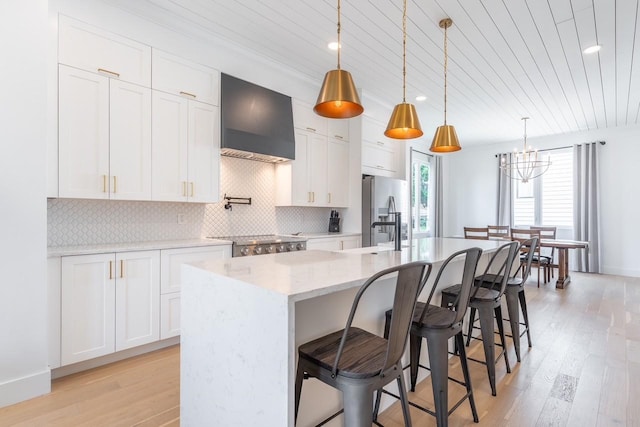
180, 218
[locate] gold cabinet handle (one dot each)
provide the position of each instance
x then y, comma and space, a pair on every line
379, 167
110, 270
338, 136
329, 195
311, 129
192, 188
115, 184
104, 183
308, 196
188, 94
184, 188
113, 73
121, 268
379, 142
313, 196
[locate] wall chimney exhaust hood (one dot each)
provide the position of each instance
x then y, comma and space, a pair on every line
256, 123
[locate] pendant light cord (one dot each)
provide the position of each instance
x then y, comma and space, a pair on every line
339, 42
445, 73
404, 53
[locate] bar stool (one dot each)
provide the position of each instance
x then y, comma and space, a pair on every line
438, 325
514, 294
487, 300
358, 362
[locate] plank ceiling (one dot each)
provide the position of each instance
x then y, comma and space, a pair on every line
507, 58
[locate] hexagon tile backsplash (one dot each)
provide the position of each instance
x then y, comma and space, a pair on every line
73, 222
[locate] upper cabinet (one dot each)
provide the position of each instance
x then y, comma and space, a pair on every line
319, 174
88, 48
380, 155
104, 137
178, 76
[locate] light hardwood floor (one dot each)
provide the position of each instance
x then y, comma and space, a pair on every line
583, 370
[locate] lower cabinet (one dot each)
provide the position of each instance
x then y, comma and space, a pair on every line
334, 243
109, 302
171, 260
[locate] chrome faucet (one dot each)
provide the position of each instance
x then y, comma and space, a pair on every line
397, 227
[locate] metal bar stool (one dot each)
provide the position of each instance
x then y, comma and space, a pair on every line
488, 303
438, 325
358, 362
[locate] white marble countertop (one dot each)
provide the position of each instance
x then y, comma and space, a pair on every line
56, 251
308, 274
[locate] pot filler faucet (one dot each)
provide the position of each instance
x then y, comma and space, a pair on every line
397, 226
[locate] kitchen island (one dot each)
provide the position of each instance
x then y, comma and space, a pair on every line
243, 319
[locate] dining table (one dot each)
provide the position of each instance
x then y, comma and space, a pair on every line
563, 247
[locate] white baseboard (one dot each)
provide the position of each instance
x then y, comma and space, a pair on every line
616, 271
113, 357
25, 388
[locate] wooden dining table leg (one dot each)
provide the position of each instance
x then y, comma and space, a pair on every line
563, 268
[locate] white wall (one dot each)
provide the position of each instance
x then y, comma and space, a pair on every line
23, 293
471, 182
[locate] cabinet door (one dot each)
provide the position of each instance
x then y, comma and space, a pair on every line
317, 170
338, 173
169, 315
137, 306
299, 184
351, 242
130, 141
87, 307
338, 129
185, 78
83, 141
172, 260
204, 152
306, 119
169, 140
380, 158
89, 48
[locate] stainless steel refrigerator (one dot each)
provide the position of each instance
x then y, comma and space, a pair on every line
380, 196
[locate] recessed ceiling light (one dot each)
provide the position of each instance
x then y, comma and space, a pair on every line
333, 45
421, 98
592, 49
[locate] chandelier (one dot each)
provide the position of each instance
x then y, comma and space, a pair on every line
524, 165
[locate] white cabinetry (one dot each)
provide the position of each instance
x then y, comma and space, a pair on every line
186, 131
171, 261
334, 243
109, 302
319, 174
186, 149
380, 155
89, 48
104, 138
178, 76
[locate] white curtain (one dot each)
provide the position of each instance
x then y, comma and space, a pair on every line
504, 211
586, 221
438, 197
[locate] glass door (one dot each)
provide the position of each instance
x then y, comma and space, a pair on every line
422, 195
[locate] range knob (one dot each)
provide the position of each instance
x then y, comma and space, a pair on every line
300, 246
244, 251
280, 248
291, 247
257, 250
269, 249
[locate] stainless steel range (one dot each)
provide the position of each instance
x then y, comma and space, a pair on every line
264, 244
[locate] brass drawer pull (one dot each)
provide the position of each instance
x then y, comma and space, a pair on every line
113, 73
121, 268
110, 270
188, 94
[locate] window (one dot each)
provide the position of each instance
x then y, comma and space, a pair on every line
547, 200
422, 191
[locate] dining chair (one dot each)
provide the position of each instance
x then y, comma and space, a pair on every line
514, 295
358, 362
487, 301
548, 233
478, 233
439, 324
541, 263
498, 231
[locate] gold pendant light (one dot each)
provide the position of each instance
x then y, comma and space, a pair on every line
338, 98
445, 140
404, 122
